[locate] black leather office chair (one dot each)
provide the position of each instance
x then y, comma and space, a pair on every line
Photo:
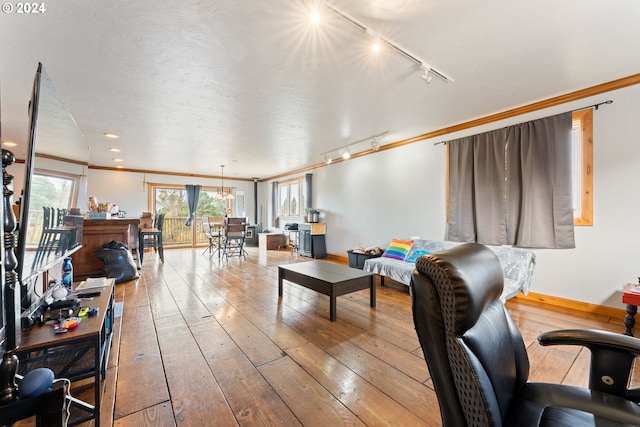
478, 361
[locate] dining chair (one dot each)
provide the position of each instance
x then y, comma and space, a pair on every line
235, 233
152, 238
60, 214
206, 230
54, 236
213, 230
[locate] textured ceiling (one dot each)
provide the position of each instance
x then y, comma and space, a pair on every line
253, 85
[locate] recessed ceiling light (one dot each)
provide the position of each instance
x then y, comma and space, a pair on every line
117, 160
110, 135
114, 149
9, 143
315, 17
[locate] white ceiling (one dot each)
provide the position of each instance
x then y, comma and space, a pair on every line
253, 85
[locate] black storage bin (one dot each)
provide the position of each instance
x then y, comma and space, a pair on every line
356, 259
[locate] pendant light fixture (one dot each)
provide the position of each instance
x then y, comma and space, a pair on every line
221, 195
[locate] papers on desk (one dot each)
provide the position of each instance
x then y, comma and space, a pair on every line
94, 282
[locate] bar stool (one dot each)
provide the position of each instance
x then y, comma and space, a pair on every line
152, 238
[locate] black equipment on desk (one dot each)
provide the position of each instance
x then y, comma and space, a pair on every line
35, 313
64, 303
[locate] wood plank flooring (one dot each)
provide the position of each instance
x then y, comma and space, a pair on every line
209, 343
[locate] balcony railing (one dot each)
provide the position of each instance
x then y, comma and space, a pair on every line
176, 232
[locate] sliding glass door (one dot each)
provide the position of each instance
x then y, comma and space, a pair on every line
172, 201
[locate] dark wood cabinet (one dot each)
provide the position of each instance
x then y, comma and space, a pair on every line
312, 240
97, 232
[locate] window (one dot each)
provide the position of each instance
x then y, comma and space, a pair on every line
172, 201
292, 198
582, 139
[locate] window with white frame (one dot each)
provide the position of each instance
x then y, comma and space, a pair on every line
291, 198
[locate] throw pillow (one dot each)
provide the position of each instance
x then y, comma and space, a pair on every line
417, 254
398, 249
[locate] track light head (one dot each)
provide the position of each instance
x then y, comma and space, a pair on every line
327, 159
347, 154
375, 144
426, 74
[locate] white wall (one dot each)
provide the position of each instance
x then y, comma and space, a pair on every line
401, 193
125, 189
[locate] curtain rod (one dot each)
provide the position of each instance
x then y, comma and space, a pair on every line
594, 106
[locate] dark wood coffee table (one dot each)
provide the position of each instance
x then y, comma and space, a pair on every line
329, 279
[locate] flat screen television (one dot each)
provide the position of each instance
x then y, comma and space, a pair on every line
55, 146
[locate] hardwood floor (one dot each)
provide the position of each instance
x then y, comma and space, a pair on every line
204, 343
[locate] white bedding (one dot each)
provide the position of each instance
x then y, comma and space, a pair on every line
517, 264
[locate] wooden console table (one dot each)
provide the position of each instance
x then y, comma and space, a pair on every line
78, 354
97, 232
270, 241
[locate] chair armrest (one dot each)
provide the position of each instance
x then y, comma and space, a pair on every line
612, 357
590, 338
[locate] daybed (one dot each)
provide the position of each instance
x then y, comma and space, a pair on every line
517, 264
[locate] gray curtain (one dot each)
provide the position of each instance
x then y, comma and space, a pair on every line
193, 196
513, 186
275, 203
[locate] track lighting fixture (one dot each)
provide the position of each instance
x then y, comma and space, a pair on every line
428, 72
345, 150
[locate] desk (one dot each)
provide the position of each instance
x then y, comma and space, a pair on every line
78, 354
632, 300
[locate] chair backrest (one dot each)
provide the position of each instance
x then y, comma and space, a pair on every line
46, 218
206, 227
158, 222
236, 228
216, 223
60, 216
475, 353
236, 220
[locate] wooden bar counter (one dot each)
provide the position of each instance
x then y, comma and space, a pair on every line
97, 232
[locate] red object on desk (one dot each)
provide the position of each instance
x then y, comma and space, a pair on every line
630, 297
